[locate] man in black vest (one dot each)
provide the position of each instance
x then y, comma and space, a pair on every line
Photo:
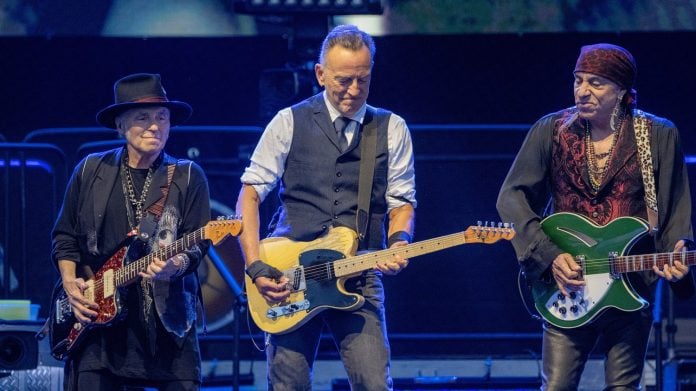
314, 149
134, 189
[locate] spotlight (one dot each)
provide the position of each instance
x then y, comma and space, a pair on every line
328, 7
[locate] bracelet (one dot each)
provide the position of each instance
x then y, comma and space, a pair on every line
185, 262
399, 236
260, 268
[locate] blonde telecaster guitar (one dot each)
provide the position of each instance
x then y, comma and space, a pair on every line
317, 271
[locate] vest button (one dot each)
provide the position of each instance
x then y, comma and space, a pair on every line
338, 174
336, 202
595, 214
323, 227
335, 217
593, 201
336, 189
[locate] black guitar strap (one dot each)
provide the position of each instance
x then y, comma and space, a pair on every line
368, 154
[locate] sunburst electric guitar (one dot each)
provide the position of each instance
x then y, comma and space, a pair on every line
601, 251
317, 271
65, 332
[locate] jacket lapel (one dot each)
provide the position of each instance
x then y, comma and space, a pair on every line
105, 178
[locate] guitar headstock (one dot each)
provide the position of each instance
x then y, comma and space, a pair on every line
218, 230
489, 232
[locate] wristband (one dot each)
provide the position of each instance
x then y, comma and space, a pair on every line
399, 236
260, 268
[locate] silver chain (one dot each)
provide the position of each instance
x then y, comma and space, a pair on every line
138, 204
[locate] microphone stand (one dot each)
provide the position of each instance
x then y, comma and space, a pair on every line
657, 325
239, 302
672, 364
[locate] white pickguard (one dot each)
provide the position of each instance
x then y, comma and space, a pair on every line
584, 300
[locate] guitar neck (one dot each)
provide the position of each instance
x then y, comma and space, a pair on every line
129, 273
359, 263
641, 262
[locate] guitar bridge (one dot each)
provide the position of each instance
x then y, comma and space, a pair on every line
63, 310
288, 309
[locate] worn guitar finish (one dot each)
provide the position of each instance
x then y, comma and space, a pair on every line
65, 332
601, 251
317, 271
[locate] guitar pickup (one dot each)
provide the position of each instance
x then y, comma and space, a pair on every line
296, 279
288, 309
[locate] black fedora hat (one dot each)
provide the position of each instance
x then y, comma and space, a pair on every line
142, 89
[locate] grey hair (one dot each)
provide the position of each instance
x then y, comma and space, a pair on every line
349, 37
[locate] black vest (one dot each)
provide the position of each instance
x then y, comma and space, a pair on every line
319, 187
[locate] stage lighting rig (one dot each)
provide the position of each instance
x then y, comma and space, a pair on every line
323, 7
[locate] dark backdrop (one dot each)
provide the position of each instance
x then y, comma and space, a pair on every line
477, 78
473, 79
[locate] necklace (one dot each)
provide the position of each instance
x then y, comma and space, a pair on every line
136, 203
597, 172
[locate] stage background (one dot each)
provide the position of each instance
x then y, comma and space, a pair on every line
469, 99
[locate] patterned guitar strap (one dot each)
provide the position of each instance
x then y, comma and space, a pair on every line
154, 214
641, 126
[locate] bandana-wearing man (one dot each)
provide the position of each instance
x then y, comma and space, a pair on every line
601, 159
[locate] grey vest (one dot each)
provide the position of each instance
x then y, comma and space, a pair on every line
319, 188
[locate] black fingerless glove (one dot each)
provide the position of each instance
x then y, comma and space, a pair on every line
260, 268
399, 236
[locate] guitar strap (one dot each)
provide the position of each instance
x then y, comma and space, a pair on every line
641, 126
156, 210
149, 224
368, 154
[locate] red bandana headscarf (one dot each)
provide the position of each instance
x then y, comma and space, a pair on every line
612, 62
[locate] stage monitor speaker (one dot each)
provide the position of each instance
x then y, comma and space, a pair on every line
18, 350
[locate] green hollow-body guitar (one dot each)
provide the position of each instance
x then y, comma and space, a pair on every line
603, 254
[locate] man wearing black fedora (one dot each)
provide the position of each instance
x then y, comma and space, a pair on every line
137, 192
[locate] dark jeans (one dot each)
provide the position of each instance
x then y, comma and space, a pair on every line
622, 338
360, 336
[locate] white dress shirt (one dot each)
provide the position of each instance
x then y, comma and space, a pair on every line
268, 160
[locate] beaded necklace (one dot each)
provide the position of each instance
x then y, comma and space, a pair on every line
598, 173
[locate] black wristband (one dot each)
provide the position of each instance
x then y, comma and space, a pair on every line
399, 236
260, 268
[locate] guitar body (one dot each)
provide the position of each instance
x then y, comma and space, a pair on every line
317, 271
309, 295
585, 240
66, 332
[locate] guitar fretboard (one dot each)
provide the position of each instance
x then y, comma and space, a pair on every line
359, 263
636, 263
129, 273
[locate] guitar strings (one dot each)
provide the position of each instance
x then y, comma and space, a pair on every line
131, 270
631, 261
325, 271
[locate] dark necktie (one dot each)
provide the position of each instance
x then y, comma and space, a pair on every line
341, 123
